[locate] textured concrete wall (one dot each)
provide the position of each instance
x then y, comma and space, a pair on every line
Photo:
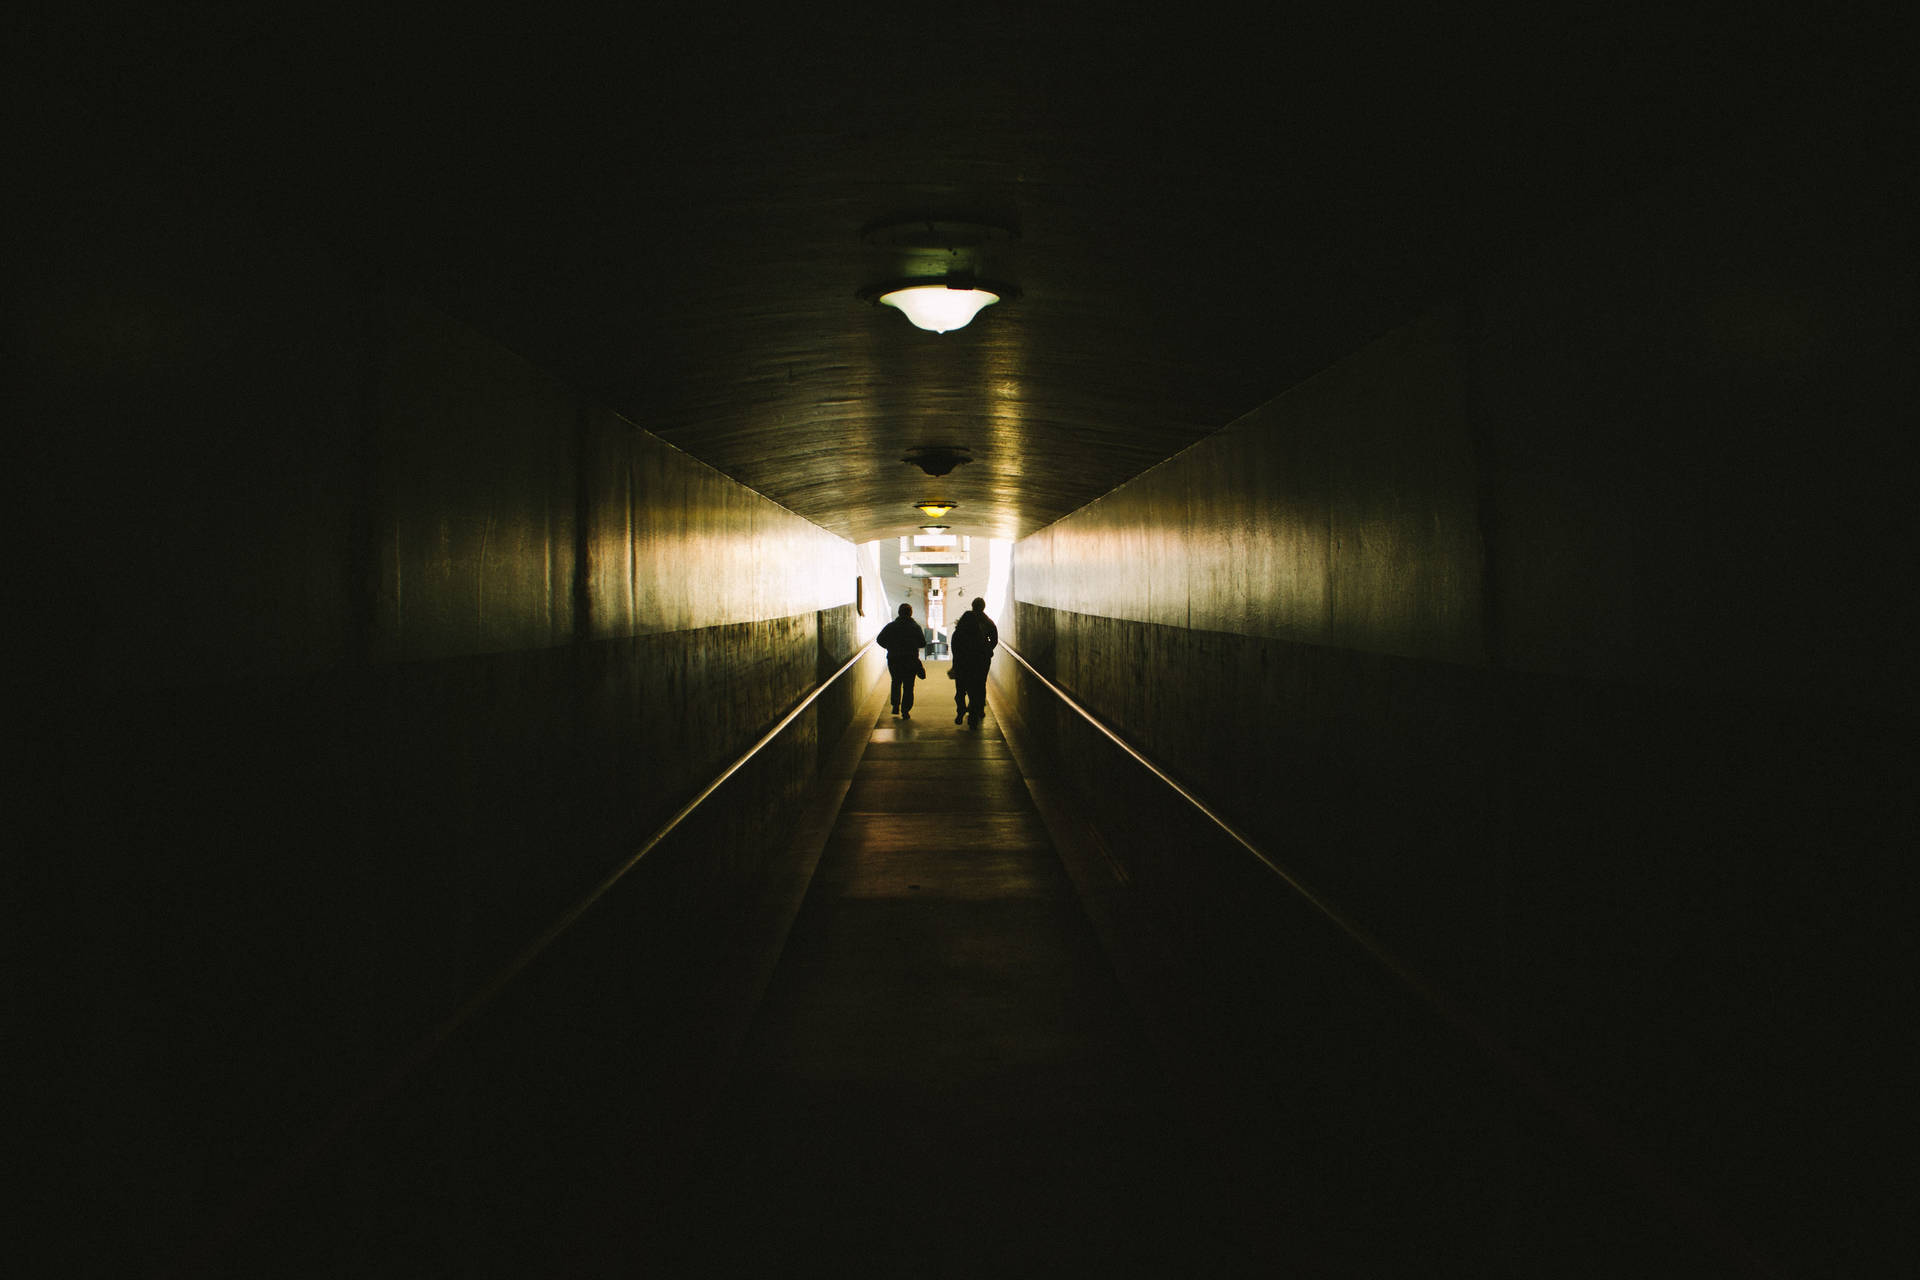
1556, 637
368, 649
1342, 514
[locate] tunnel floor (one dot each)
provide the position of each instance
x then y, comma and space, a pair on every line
944, 1077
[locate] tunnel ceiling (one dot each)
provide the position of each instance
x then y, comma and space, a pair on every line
666, 212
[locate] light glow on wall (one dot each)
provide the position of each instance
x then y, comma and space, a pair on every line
999, 592
879, 610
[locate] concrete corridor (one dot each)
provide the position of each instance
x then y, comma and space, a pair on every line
1467, 465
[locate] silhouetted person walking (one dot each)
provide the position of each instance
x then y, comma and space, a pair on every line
974, 640
902, 640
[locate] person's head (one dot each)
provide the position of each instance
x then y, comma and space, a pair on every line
906, 611
979, 604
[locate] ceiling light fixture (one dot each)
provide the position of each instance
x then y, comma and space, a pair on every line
940, 306
934, 278
938, 459
935, 508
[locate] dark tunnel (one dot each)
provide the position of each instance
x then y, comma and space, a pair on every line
1443, 484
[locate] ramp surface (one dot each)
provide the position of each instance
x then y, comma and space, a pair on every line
944, 1078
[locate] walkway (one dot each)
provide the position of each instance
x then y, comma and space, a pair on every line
944, 1078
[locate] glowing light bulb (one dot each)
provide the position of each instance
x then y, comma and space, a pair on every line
936, 308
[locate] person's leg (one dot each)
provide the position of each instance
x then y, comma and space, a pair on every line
893, 693
906, 694
966, 696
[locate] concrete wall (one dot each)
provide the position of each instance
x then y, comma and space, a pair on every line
363, 650
1558, 638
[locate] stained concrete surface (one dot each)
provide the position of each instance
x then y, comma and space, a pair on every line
1538, 637
346, 693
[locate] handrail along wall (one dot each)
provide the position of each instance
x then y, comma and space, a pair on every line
1602, 1137
355, 1108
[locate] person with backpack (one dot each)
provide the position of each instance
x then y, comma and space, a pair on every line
974, 640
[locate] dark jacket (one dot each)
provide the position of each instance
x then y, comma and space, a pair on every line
974, 640
902, 639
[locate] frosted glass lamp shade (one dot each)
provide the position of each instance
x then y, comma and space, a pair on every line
936, 308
